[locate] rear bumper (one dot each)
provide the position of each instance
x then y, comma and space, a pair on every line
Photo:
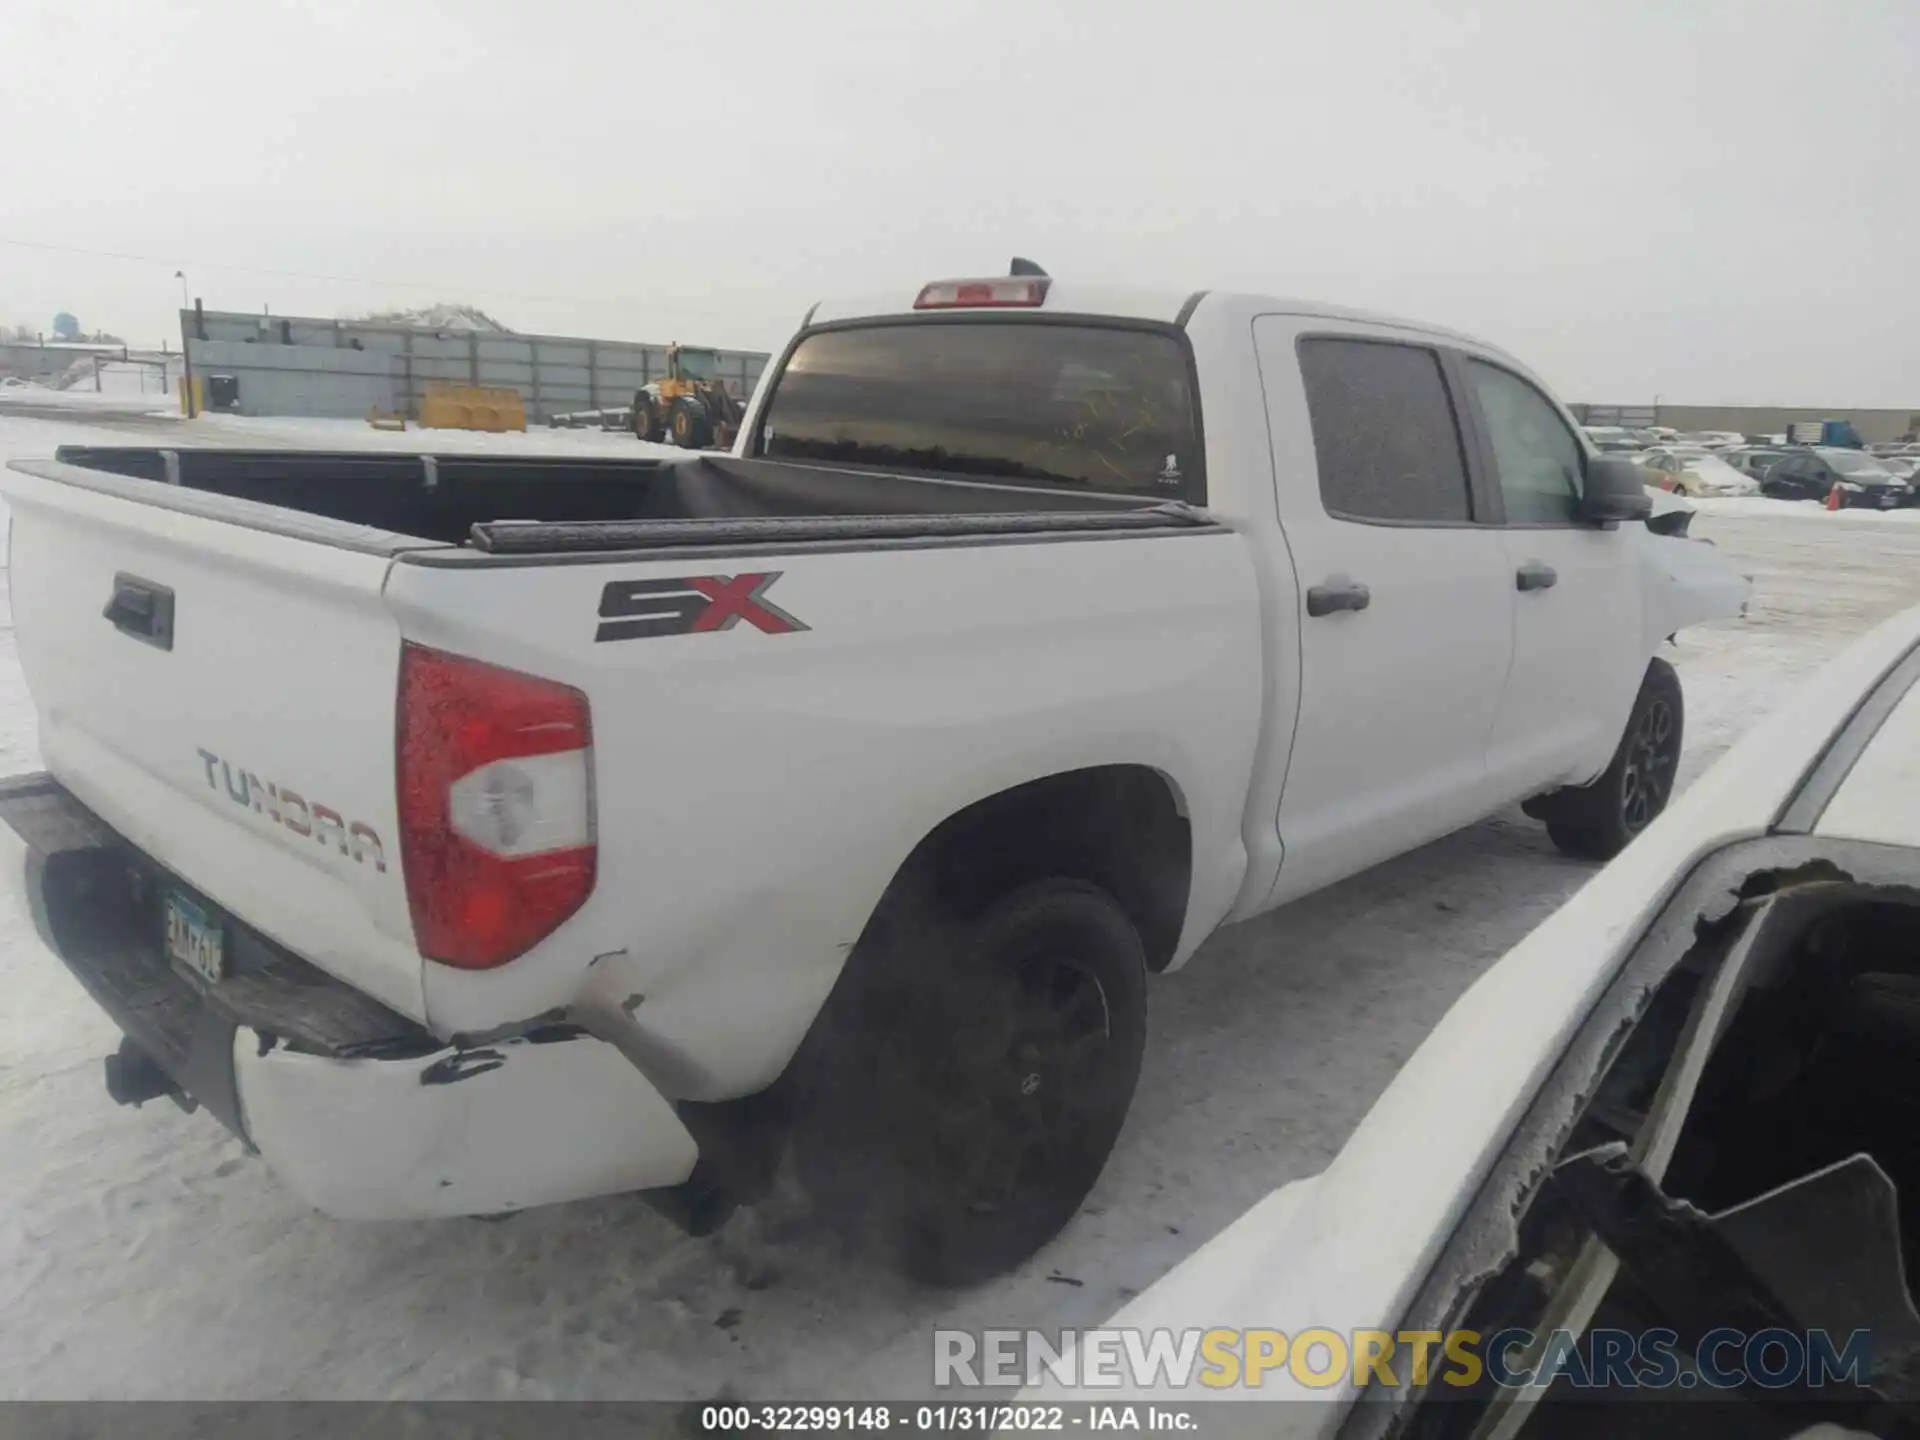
358, 1109
531, 1120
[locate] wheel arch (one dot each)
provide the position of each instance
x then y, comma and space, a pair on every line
1122, 827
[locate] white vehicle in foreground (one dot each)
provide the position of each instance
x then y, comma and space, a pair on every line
1686, 1101
476, 833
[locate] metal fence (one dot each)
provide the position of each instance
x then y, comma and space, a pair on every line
50, 359
300, 365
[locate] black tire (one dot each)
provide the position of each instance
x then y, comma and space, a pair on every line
690, 423
1596, 821
646, 421
1582, 844
973, 1082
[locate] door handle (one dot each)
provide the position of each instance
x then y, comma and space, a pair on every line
141, 609
1337, 593
1535, 576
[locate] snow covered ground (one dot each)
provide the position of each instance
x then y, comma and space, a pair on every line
1761, 507
39, 400
144, 1254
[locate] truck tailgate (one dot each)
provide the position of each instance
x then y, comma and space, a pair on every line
224, 697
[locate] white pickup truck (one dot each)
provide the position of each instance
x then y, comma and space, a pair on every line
469, 834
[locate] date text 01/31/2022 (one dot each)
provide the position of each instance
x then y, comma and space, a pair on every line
979, 1419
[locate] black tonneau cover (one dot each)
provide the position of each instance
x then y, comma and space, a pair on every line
521, 537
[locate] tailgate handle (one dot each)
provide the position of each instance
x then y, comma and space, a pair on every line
141, 609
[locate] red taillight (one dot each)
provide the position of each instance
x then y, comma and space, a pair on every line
496, 806
983, 294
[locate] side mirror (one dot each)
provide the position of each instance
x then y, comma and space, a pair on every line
1615, 490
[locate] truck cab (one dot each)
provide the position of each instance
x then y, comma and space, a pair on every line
1446, 627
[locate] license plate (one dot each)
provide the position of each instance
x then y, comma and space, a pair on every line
194, 940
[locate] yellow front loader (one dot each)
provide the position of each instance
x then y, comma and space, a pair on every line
689, 407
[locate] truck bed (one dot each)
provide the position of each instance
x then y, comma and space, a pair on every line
533, 505
214, 641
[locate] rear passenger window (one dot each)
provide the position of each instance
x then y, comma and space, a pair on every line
1384, 432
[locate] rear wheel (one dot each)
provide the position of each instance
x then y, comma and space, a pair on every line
1597, 821
692, 425
968, 1097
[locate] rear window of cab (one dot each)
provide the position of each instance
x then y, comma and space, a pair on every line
1049, 403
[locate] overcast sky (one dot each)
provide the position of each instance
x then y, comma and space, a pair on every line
1712, 202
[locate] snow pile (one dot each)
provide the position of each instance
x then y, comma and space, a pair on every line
37, 399
1767, 507
444, 316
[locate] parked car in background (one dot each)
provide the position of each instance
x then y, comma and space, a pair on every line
1849, 477
1696, 473
1611, 439
1756, 460
1712, 439
1652, 460
1721, 1019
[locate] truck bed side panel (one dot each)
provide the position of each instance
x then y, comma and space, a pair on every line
757, 787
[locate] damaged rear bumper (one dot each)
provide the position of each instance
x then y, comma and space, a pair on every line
533, 1120
362, 1112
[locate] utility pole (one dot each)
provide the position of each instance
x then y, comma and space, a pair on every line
186, 350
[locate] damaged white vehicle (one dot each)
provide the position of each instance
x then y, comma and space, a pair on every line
476, 833
1686, 1107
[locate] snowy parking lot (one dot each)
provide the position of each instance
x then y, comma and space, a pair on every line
145, 1254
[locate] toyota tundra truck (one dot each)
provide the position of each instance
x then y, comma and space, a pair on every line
470, 833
